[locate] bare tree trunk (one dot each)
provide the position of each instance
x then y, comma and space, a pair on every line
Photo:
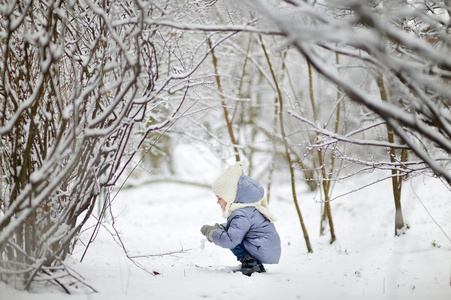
397, 176
309, 173
287, 151
223, 102
325, 175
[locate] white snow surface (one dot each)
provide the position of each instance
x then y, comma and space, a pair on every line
365, 262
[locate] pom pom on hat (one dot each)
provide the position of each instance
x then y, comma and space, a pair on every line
244, 163
226, 185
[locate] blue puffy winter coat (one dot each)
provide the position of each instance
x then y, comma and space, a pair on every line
248, 226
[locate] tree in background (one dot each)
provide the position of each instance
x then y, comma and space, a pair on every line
401, 46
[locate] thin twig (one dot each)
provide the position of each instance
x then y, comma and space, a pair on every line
77, 277
432, 218
162, 254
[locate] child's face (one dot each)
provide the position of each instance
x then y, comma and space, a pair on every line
221, 202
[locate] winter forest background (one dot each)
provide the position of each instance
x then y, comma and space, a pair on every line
96, 96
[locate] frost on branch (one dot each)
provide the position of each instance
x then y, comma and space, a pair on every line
71, 74
404, 46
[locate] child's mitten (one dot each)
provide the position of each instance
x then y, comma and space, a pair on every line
207, 230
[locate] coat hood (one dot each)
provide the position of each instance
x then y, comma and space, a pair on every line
250, 193
248, 190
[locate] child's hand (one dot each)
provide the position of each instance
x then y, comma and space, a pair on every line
207, 230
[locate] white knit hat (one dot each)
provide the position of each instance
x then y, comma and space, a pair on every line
227, 184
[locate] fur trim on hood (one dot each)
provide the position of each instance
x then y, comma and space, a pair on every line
261, 206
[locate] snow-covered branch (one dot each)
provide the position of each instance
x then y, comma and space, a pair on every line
68, 109
408, 45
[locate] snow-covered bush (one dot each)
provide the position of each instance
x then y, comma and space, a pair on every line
76, 79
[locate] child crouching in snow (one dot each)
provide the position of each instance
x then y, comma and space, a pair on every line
249, 231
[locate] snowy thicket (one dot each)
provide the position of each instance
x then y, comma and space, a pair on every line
76, 77
403, 47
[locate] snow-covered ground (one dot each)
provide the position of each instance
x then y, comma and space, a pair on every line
366, 261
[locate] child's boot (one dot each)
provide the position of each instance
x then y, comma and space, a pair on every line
251, 265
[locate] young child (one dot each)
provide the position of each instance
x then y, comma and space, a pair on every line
249, 231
